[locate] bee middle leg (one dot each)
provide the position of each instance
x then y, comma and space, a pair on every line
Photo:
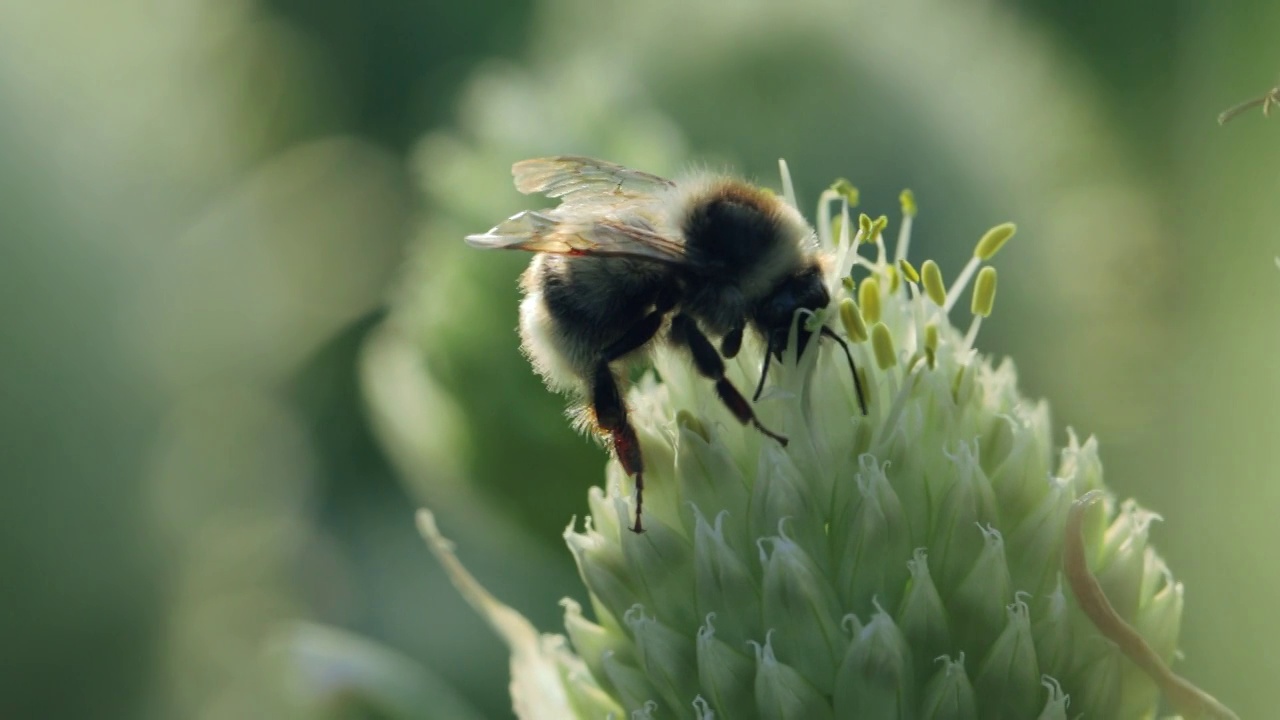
611, 410
685, 331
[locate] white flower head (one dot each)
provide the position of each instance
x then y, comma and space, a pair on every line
904, 563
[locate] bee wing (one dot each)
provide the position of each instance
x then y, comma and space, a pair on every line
576, 180
604, 237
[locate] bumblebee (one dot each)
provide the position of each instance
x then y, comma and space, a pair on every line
628, 257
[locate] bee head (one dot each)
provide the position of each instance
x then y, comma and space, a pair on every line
803, 290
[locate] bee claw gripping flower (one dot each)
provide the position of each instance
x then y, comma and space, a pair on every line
923, 561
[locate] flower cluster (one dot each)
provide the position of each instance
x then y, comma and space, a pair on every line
903, 564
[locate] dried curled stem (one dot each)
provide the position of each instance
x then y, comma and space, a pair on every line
1267, 100
1189, 700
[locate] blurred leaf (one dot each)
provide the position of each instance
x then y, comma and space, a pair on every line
334, 675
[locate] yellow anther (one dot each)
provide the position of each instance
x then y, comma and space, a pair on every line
984, 293
837, 226
908, 270
882, 345
878, 226
864, 227
908, 200
894, 278
848, 283
995, 239
851, 318
931, 344
933, 286
846, 190
869, 299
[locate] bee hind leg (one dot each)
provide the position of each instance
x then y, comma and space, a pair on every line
611, 411
685, 331
611, 415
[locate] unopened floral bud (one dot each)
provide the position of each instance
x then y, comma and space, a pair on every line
949, 694
877, 677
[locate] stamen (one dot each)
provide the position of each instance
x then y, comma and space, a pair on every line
972, 334
847, 248
908, 270
869, 299
900, 396
984, 293
908, 200
933, 287
846, 190
788, 189
882, 345
877, 233
824, 216
993, 240
962, 281
864, 227
987, 247
851, 318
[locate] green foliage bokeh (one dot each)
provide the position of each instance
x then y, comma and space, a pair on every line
242, 339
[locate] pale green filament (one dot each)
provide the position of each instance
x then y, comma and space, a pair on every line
908, 200
788, 188
989, 245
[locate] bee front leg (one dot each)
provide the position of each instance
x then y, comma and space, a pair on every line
685, 331
732, 341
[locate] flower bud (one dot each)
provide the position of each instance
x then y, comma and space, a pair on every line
876, 678
727, 677
782, 693
949, 694
799, 607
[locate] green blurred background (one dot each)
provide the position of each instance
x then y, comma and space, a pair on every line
241, 340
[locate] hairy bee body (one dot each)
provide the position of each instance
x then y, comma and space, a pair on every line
629, 259
739, 241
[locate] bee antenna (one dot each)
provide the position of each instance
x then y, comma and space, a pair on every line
764, 371
857, 382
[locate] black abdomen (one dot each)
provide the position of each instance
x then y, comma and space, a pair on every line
593, 301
